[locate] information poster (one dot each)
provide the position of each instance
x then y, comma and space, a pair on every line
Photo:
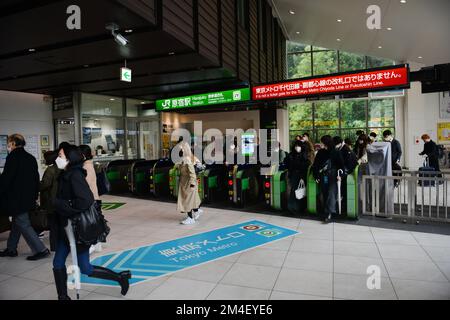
444, 132
444, 100
3, 150
32, 145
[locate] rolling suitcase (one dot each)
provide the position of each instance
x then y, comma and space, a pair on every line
423, 174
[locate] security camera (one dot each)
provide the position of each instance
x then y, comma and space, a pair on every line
120, 39
117, 36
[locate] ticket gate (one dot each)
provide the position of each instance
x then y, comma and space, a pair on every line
350, 201
214, 182
159, 180
243, 184
275, 188
117, 173
139, 177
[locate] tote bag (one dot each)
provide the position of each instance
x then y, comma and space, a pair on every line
300, 193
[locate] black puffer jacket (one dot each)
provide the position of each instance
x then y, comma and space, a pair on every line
73, 196
298, 164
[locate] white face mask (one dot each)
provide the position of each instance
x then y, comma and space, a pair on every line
298, 149
61, 163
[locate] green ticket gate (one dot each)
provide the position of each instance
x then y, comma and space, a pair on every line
117, 173
243, 188
159, 180
139, 177
351, 198
214, 182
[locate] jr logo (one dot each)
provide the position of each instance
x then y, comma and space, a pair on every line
74, 20
374, 280
374, 20
166, 104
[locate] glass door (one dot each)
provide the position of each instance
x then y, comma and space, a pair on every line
149, 139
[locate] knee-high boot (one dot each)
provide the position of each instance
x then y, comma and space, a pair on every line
61, 283
122, 278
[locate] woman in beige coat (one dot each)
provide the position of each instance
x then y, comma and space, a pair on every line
188, 197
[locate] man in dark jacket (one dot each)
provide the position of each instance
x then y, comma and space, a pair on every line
430, 149
396, 149
19, 189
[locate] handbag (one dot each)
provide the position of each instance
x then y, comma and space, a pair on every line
90, 226
39, 219
300, 193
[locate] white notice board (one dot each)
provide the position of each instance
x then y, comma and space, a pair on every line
32, 145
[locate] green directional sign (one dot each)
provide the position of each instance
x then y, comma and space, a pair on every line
125, 74
203, 100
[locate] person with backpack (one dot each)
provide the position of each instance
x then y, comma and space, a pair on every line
431, 150
74, 197
325, 169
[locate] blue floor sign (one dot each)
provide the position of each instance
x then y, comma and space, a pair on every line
163, 258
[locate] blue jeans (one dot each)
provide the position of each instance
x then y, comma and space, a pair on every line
63, 250
21, 225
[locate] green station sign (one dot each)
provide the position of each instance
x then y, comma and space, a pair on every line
203, 100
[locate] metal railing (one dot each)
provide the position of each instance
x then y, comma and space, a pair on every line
415, 195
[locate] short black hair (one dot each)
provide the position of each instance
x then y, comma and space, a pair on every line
86, 151
337, 140
387, 133
74, 156
373, 134
359, 132
348, 141
50, 157
327, 140
306, 134
63, 145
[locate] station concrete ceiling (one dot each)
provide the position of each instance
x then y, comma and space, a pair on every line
418, 29
39, 54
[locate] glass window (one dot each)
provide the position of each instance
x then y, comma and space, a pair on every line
299, 65
373, 62
381, 113
326, 115
351, 62
99, 105
324, 62
293, 47
105, 135
300, 116
353, 114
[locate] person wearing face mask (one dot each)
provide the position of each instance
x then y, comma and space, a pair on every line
396, 149
307, 139
48, 189
19, 189
361, 149
325, 170
430, 150
297, 163
74, 196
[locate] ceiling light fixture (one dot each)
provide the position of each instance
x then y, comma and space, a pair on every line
112, 99
129, 31
291, 11
389, 28
171, 53
298, 32
339, 20
380, 47
420, 57
31, 50
338, 40
402, 1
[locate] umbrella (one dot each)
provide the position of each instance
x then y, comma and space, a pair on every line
74, 270
339, 191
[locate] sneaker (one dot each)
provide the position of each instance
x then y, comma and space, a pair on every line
188, 221
8, 253
198, 214
39, 256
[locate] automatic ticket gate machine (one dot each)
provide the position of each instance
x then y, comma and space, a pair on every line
350, 203
275, 187
214, 182
174, 182
117, 174
139, 177
243, 186
159, 179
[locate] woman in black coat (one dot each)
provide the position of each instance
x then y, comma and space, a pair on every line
325, 169
74, 196
298, 164
431, 150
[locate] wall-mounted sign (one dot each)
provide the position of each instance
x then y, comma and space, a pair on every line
202, 100
125, 74
444, 132
395, 77
3, 150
